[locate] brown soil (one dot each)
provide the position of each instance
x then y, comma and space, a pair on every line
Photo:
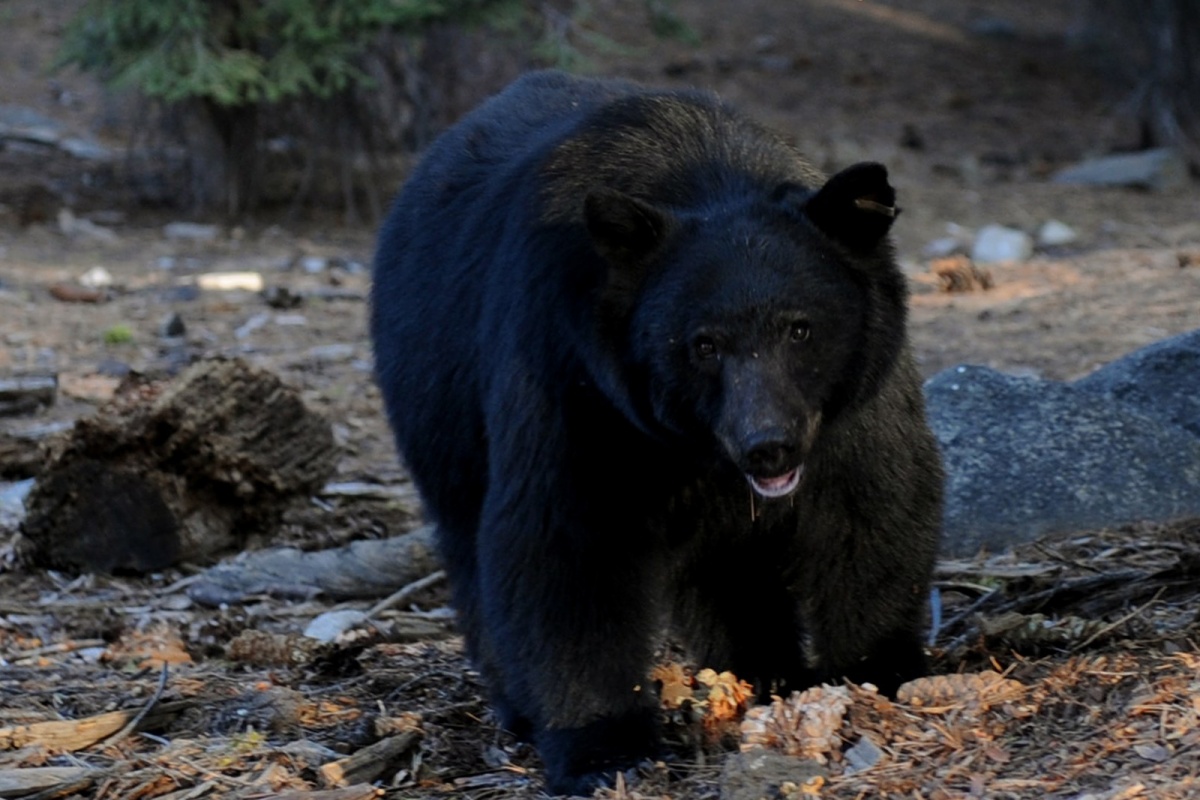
970, 126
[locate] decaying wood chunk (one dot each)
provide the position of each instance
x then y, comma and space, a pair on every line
20, 457
180, 471
959, 274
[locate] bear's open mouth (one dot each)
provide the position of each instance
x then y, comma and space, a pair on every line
779, 486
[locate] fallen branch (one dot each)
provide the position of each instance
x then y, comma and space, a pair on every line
132, 725
72, 735
398, 597
369, 763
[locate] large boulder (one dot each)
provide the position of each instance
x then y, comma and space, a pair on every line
1161, 380
1026, 457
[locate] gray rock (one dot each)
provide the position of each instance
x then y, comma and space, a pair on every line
331, 353
172, 326
1159, 169
1161, 380
26, 124
314, 264
1027, 457
756, 774
332, 624
863, 755
945, 246
18, 117
1053, 233
20, 123
191, 231
993, 28
996, 243
78, 227
12, 503
96, 278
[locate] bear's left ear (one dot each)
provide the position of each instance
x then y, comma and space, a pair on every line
855, 207
624, 230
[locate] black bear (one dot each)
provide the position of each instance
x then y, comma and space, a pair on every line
646, 365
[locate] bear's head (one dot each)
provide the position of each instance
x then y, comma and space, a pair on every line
752, 324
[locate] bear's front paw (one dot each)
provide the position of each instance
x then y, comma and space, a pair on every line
581, 760
585, 785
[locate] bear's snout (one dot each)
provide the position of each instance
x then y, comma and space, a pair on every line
769, 452
771, 461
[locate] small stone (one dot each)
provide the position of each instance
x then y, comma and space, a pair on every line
12, 502
191, 231
85, 149
281, 297
863, 755
350, 265
943, 247
76, 227
1158, 169
96, 278
1152, 751
291, 320
113, 368
251, 325
993, 28
996, 243
314, 264
171, 326
329, 353
759, 773
1053, 233
184, 293
332, 624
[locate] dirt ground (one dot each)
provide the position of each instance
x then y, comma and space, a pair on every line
970, 124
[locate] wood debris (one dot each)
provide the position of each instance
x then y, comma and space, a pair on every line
960, 274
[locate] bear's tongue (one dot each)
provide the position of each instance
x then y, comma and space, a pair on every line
779, 486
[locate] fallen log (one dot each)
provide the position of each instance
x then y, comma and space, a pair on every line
177, 471
27, 393
23, 782
367, 568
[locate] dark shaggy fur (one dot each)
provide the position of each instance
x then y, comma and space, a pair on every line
645, 365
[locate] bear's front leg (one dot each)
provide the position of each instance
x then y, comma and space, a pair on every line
570, 597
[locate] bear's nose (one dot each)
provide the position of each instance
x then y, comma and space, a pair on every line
769, 453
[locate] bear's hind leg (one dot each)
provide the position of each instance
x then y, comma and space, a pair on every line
457, 550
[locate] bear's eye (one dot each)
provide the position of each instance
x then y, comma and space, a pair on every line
704, 347
799, 331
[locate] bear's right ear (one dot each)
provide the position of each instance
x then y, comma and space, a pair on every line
624, 230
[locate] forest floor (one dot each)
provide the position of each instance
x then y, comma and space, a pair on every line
972, 104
